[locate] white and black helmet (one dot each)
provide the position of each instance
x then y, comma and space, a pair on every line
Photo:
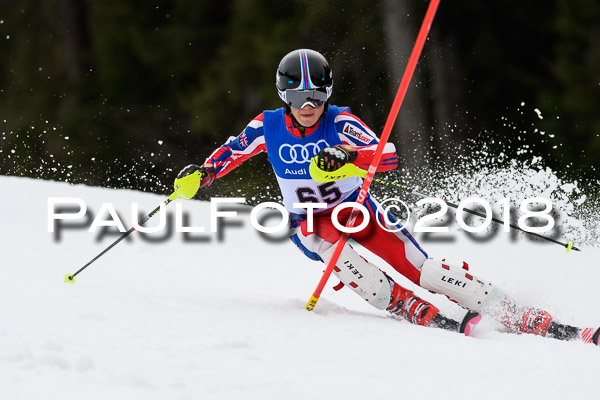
304, 78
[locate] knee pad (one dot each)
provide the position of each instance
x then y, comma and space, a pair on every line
364, 278
456, 283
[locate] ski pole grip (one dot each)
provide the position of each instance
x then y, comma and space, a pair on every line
187, 186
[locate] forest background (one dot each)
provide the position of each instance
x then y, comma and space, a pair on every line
126, 93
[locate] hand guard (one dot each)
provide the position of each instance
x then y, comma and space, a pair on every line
207, 173
331, 158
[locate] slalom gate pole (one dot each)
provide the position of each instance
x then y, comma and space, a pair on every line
408, 73
569, 245
71, 277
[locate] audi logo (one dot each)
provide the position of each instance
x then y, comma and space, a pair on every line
299, 153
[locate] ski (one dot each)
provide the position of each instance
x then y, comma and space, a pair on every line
567, 332
466, 326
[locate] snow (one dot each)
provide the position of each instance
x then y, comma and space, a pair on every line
222, 317
539, 113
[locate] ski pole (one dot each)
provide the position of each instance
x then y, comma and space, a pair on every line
71, 277
569, 245
185, 187
352, 170
410, 68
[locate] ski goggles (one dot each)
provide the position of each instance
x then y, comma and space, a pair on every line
299, 98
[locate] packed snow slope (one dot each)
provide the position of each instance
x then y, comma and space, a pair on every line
221, 316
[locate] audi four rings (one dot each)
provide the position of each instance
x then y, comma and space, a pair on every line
300, 154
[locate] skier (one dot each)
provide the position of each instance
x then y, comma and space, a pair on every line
307, 126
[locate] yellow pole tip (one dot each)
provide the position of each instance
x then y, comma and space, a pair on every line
312, 303
569, 246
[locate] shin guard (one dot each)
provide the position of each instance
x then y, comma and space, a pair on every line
455, 283
361, 276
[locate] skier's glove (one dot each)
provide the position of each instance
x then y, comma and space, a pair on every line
207, 174
331, 158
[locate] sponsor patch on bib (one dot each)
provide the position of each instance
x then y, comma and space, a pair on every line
356, 133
